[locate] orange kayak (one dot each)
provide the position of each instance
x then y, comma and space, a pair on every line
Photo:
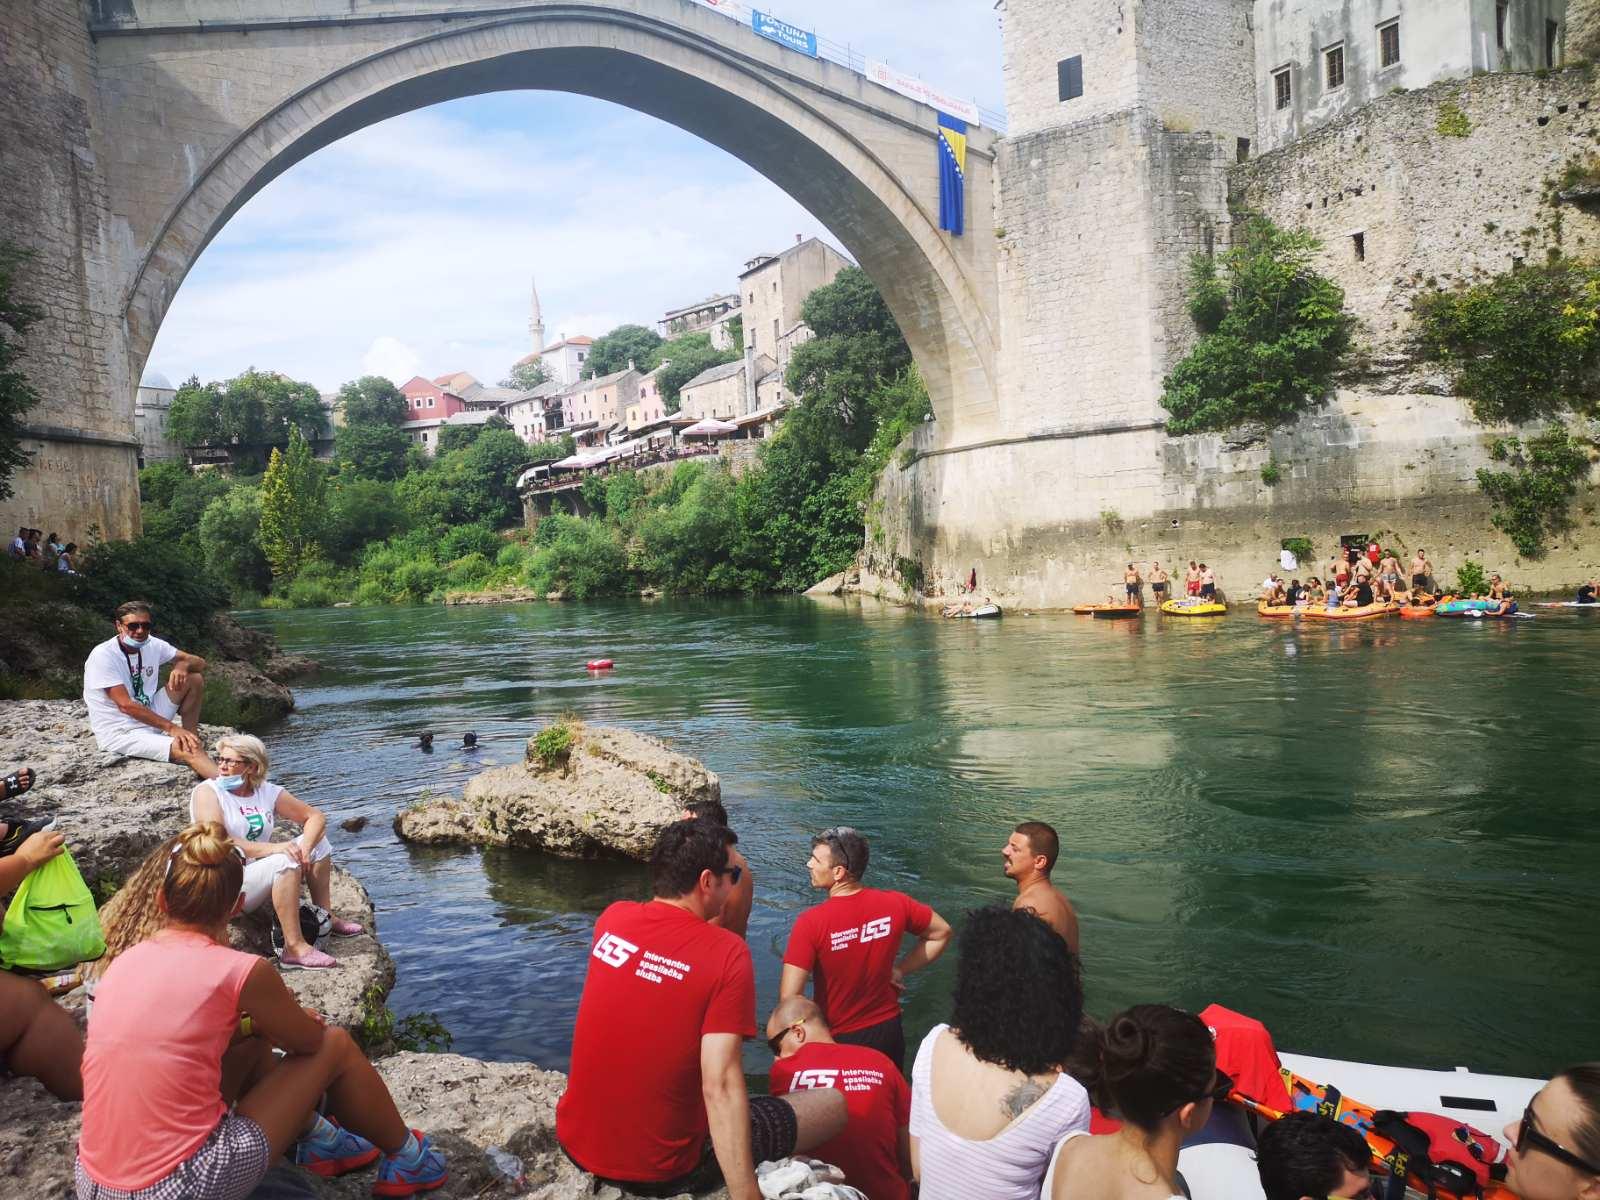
1365, 613
1415, 612
1279, 612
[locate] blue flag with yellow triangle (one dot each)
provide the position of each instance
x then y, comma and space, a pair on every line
952, 175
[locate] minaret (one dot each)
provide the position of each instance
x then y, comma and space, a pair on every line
536, 322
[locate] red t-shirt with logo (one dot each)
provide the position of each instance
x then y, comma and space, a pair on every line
878, 1102
658, 979
849, 944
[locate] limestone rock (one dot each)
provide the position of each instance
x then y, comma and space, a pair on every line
831, 586
511, 595
614, 794
257, 700
283, 667
234, 641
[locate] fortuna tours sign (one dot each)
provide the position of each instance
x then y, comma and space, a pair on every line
785, 34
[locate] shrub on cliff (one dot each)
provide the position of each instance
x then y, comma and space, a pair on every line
1523, 345
1532, 498
16, 393
1272, 332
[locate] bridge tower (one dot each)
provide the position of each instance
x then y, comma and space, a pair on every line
1124, 115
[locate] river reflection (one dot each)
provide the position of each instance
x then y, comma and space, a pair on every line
1376, 837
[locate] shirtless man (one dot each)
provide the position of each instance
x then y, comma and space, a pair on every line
1133, 584
1421, 570
1191, 580
1158, 582
1389, 570
1208, 583
1028, 854
735, 914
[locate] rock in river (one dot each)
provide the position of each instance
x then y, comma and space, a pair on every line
609, 794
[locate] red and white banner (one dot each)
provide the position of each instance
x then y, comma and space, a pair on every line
916, 89
736, 9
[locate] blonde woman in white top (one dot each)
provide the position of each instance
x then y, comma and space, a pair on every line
242, 800
1157, 1073
989, 1100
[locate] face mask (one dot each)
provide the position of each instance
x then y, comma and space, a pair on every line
135, 643
229, 783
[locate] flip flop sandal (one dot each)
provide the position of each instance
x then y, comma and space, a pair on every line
15, 786
17, 832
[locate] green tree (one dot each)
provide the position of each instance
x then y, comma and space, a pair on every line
372, 451
174, 500
526, 376
361, 512
16, 393
372, 400
293, 508
1532, 500
250, 412
685, 357
613, 351
858, 349
230, 532
1523, 345
736, 332
1272, 333
195, 416
459, 437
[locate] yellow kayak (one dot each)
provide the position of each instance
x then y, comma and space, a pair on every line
1191, 606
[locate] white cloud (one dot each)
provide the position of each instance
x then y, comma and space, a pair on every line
406, 248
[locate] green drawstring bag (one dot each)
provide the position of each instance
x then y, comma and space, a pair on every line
52, 923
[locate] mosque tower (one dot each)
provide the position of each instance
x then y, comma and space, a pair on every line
536, 323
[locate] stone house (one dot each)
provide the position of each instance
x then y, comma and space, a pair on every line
723, 392
651, 405
603, 401
773, 287
711, 315
151, 408
535, 415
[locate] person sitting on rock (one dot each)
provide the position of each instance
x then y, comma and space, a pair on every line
130, 713
656, 1101
37, 1036
165, 1060
735, 914
874, 1151
242, 800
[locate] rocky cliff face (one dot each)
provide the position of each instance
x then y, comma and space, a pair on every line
609, 795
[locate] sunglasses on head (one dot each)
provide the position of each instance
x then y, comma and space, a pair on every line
1529, 1138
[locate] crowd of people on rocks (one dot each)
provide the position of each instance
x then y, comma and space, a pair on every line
48, 553
200, 1069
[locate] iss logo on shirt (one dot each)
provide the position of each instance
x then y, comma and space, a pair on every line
614, 951
815, 1078
872, 931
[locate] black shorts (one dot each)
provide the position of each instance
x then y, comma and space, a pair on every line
1419, 582
1208, 591
886, 1037
1133, 590
1159, 589
774, 1130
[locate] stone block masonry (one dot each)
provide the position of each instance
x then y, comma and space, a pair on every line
54, 205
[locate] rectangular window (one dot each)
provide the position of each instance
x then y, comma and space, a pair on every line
1281, 89
1333, 62
774, 331
430, 401
1359, 242
1501, 8
1552, 37
1389, 44
1069, 77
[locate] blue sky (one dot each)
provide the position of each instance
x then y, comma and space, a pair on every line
407, 247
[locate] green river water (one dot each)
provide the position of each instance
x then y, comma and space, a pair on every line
1379, 838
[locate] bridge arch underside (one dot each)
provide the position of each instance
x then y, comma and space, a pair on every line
785, 136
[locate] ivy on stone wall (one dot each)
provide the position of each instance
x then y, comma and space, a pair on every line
16, 393
1273, 332
1532, 499
1523, 345
1452, 121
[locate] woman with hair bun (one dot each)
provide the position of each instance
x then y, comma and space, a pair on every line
989, 1098
1556, 1146
1155, 1069
242, 800
167, 1055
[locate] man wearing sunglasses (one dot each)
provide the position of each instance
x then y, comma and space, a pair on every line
850, 941
1305, 1156
874, 1151
130, 711
656, 1101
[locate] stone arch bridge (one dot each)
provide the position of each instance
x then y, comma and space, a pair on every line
178, 111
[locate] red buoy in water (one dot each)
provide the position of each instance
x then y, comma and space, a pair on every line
600, 664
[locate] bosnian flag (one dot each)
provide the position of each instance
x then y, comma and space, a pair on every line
952, 174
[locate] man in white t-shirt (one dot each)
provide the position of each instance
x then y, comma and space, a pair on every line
19, 544
129, 711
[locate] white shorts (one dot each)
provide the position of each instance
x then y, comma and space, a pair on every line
260, 872
135, 740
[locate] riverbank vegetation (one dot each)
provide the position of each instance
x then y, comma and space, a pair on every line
17, 395
385, 524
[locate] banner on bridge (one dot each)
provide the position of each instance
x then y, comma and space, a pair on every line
736, 9
799, 40
916, 89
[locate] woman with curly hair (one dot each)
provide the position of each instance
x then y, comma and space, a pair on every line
989, 1098
180, 1101
1156, 1070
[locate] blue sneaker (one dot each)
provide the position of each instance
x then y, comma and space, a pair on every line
337, 1152
397, 1177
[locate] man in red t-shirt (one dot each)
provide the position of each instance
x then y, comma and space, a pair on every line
874, 1151
849, 942
656, 1100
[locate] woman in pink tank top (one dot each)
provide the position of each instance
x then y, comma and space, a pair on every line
167, 1056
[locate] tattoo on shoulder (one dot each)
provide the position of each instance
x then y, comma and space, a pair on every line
1018, 1100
